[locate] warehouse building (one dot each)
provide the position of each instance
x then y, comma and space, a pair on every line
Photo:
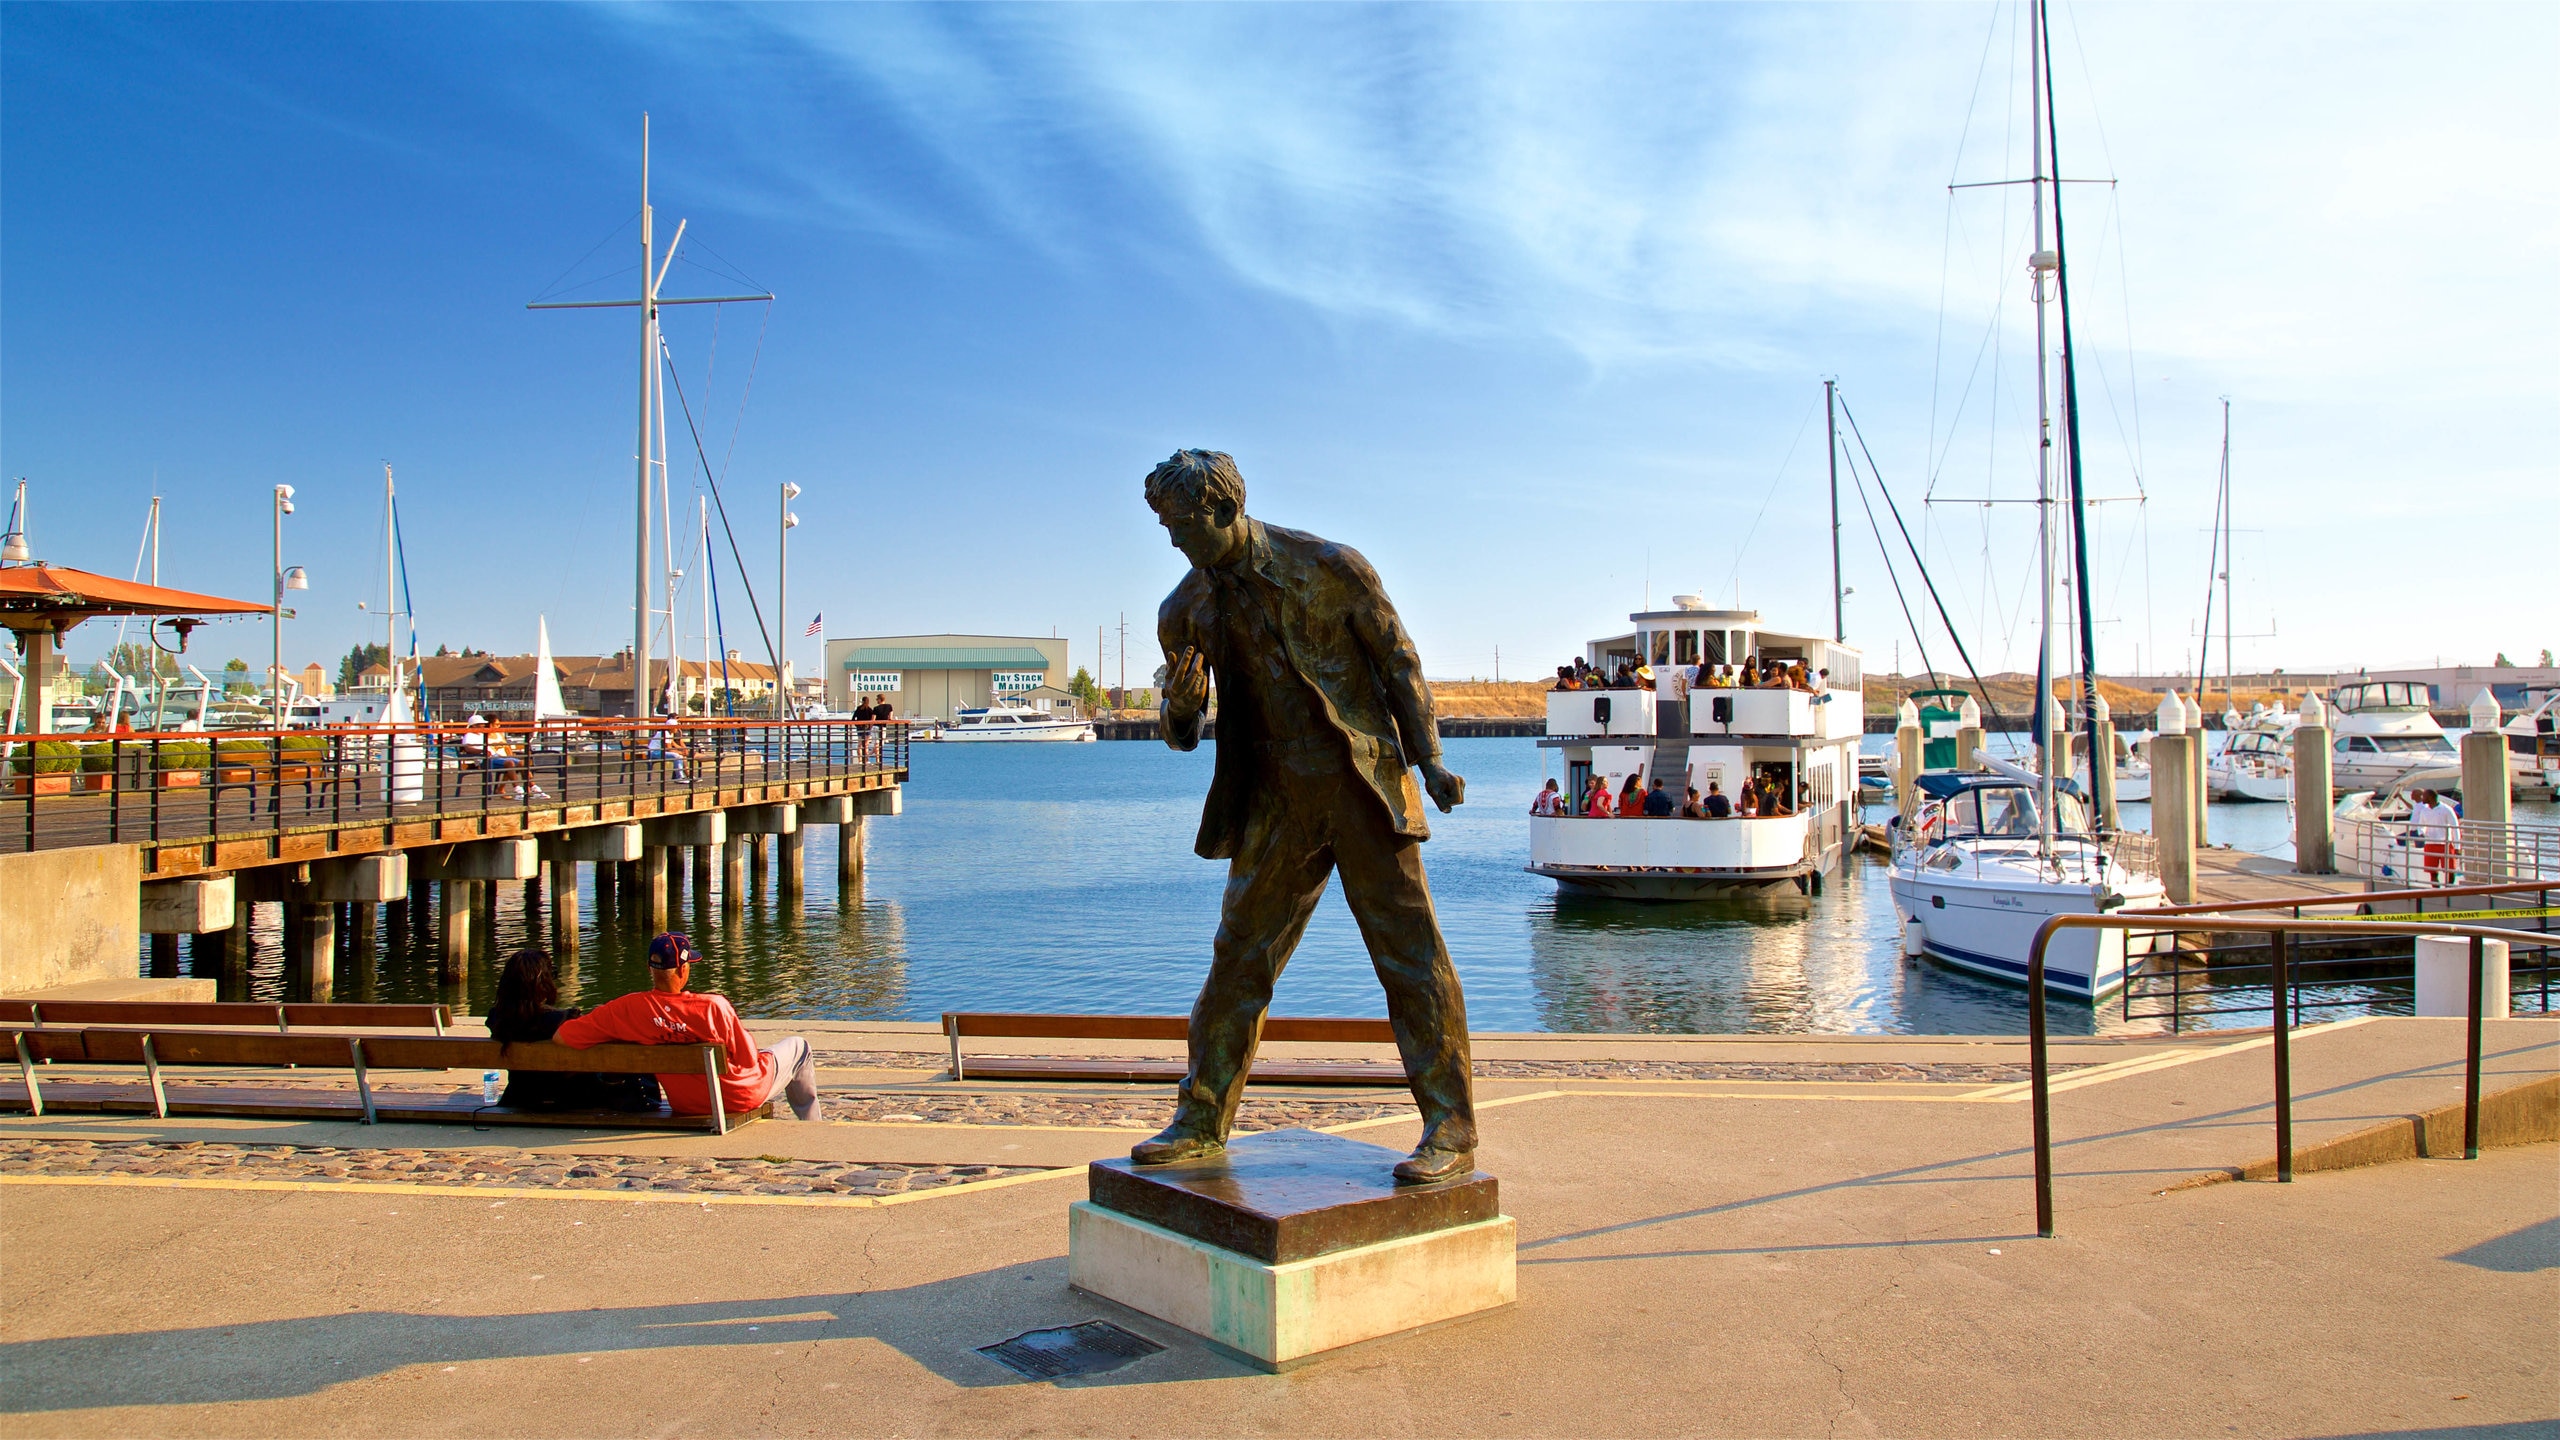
934, 676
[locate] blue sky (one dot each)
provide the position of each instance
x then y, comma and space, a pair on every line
1530, 304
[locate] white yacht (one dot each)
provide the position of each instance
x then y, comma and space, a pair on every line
2383, 732
1978, 870
2256, 760
1014, 723
1798, 744
2533, 745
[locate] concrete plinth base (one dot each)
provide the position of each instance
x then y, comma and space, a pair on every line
1280, 1316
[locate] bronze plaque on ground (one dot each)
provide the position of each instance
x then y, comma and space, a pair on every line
1289, 1195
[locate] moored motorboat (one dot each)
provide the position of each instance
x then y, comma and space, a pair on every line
2383, 732
1014, 723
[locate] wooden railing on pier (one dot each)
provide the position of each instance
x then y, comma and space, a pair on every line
216, 800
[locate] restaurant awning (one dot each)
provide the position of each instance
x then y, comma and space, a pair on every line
56, 597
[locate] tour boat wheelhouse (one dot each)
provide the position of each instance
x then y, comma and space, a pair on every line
1802, 744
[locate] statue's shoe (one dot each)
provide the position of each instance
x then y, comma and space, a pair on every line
1430, 1163
1175, 1142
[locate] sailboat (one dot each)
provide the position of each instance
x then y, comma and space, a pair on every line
1994, 851
2255, 762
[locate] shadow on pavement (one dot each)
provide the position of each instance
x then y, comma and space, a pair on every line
937, 1325
2518, 1252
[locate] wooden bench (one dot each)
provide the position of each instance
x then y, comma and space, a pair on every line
156, 1049
1163, 1027
230, 1014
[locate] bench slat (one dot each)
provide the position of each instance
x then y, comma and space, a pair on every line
179, 1012
197, 1097
1157, 1027
1265, 1072
102, 1045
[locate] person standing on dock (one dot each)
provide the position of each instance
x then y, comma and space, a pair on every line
1323, 723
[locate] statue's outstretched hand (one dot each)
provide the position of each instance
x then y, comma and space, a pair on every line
1186, 685
1447, 789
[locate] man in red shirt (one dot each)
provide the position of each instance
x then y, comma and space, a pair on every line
666, 1015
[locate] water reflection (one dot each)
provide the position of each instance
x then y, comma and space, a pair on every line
1041, 877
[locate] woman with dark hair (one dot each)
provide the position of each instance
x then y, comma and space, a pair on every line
523, 1011
1631, 799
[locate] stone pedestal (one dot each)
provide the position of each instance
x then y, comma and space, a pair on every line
1290, 1244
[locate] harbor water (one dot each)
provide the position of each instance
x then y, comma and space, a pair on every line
1061, 878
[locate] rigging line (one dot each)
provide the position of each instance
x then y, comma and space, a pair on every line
2132, 367
1984, 691
2071, 422
1946, 247
733, 272
1744, 547
1885, 553
609, 238
744, 391
726, 528
1973, 99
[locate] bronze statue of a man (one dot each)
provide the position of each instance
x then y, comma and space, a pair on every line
1321, 703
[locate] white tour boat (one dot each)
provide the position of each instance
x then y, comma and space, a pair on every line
1014, 723
1800, 744
2383, 732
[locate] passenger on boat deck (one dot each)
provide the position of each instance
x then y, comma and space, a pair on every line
1565, 679
1658, 804
1796, 678
1682, 676
1595, 803
1717, 805
1747, 805
1547, 802
1724, 678
1631, 799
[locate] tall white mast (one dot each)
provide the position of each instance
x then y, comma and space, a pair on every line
390, 587
2040, 264
640, 586
702, 567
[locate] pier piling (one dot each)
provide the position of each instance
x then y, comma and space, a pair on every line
164, 955
733, 872
849, 860
310, 948
652, 882
2103, 742
2486, 807
2195, 769
1906, 760
790, 859
2173, 830
755, 864
2314, 843
484, 895
453, 903
701, 856
564, 908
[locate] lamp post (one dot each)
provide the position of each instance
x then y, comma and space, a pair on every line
292, 579
782, 607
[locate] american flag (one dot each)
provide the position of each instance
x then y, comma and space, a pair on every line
815, 622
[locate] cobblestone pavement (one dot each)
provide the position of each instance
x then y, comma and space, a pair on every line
481, 1168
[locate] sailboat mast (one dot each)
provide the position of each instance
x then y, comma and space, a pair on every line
640, 594
2102, 776
2038, 263
390, 586
702, 566
1831, 426
2227, 616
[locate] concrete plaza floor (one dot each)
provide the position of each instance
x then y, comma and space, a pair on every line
1697, 1257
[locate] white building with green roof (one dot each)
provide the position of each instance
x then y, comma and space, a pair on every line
934, 676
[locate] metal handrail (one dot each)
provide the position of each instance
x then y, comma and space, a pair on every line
2039, 1080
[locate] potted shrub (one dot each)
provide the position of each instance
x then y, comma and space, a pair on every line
302, 756
236, 760
183, 762
54, 767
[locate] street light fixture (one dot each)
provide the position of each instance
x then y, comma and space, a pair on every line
782, 606
287, 578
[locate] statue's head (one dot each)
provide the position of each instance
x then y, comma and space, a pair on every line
1198, 497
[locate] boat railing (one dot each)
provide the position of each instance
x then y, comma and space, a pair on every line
180, 788
2282, 935
2474, 853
